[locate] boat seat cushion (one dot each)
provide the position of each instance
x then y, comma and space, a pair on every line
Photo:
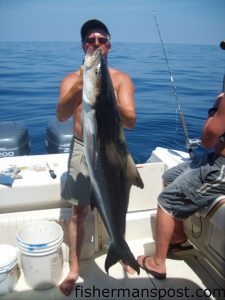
206, 210
215, 212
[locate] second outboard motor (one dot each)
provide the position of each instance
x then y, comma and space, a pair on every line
59, 136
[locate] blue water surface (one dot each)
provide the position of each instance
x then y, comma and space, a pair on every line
31, 72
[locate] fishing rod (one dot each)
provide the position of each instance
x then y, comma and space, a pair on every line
189, 143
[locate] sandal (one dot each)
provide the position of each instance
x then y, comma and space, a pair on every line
156, 274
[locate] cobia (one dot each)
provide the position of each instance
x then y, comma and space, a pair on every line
111, 167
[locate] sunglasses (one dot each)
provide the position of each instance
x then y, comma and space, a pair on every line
92, 40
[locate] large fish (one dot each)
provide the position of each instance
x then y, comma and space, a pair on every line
111, 167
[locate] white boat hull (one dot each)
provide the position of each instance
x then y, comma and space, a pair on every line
37, 196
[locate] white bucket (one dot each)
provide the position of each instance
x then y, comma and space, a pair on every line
8, 268
41, 253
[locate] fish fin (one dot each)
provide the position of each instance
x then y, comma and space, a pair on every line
133, 174
124, 254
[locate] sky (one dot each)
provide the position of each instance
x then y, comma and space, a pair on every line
180, 21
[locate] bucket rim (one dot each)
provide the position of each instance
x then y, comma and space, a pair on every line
54, 240
40, 247
9, 267
41, 253
10, 257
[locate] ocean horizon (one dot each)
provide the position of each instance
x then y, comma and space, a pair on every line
31, 73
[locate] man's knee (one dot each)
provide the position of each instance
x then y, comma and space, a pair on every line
80, 214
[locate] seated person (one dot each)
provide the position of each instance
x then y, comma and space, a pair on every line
189, 187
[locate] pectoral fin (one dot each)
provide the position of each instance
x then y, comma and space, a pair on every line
133, 174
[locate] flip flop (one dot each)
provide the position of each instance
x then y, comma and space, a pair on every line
173, 248
157, 275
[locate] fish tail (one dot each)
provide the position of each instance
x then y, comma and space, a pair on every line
124, 254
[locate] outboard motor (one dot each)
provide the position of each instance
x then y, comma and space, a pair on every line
14, 139
58, 137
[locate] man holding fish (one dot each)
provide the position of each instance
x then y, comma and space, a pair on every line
96, 45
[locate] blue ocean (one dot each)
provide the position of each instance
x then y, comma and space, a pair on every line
31, 72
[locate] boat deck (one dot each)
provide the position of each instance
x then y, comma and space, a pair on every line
189, 274
183, 281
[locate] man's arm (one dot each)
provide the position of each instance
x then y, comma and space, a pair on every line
215, 124
126, 101
70, 94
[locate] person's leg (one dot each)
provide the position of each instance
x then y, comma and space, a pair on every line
156, 265
77, 191
169, 176
179, 235
76, 238
183, 196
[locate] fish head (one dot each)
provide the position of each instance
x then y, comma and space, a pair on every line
92, 75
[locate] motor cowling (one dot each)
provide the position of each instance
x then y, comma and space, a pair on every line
58, 137
14, 139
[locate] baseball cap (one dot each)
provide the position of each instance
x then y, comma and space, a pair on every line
94, 23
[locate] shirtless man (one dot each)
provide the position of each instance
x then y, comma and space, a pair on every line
77, 188
189, 187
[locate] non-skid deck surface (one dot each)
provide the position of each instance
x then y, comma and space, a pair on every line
94, 283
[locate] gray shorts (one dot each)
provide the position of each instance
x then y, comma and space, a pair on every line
192, 185
77, 187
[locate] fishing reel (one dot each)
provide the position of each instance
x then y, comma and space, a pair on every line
193, 143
